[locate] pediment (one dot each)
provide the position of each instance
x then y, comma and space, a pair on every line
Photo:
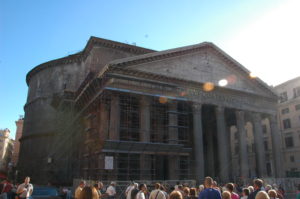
204, 65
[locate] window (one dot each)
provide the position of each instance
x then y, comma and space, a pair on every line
264, 129
286, 123
292, 158
283, 97
297, 107
289, 142
296, 92
266, 145
285, 111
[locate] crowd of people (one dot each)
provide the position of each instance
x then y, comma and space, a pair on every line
208, 190
17, 191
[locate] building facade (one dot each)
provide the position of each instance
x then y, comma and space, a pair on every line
289, 124
6, 149
15, 157
121, 112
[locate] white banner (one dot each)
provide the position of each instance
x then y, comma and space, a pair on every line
109, 163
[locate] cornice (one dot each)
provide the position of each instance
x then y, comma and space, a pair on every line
82, 55
155, 56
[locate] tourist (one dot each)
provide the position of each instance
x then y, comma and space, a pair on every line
128, 190
180, 189
142, 191
157, 193
262, 195
258, 183
230, 188
175, 195
215, 186
245, 193
97, 190
251, 189
193, 193
79, 189
268, 187
186, 193
272, 194
209, 192
226, 195
163, 189
5, 189
134, 191
86, 192
25, 189
111, 190
201, 188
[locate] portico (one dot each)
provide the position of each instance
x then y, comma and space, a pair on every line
164, 125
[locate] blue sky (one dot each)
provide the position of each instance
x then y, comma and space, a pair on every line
36, 31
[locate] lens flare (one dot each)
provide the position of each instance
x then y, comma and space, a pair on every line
208, 86
223, 82
231, 79
252, 76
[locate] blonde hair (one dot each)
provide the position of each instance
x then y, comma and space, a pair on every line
272, 193
226, 195
262, 195
175, 195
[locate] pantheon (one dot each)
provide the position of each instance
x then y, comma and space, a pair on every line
116, 111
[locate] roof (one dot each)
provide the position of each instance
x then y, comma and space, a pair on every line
287, 82
80, 56
154, 56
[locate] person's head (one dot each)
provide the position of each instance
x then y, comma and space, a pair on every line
180, 187
82, 184
27, 180
193, 192
201, 187
96, 186
262, 195
113, 183
100, 185
162, 187
246, 192
251, 189
268, 187
86, 193
156, 185
208, 182
215, 184
186, 191
135, 185
258, 183
143, 187
175, 195
226, 195
230, 187
272, 193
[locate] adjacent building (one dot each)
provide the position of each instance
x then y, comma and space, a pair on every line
6, 149
15, 157
121, 112
289, 124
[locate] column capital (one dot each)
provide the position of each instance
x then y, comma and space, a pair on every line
272, 118
197, 106
144, 100
220, 109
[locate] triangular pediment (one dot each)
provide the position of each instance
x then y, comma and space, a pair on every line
202, 64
